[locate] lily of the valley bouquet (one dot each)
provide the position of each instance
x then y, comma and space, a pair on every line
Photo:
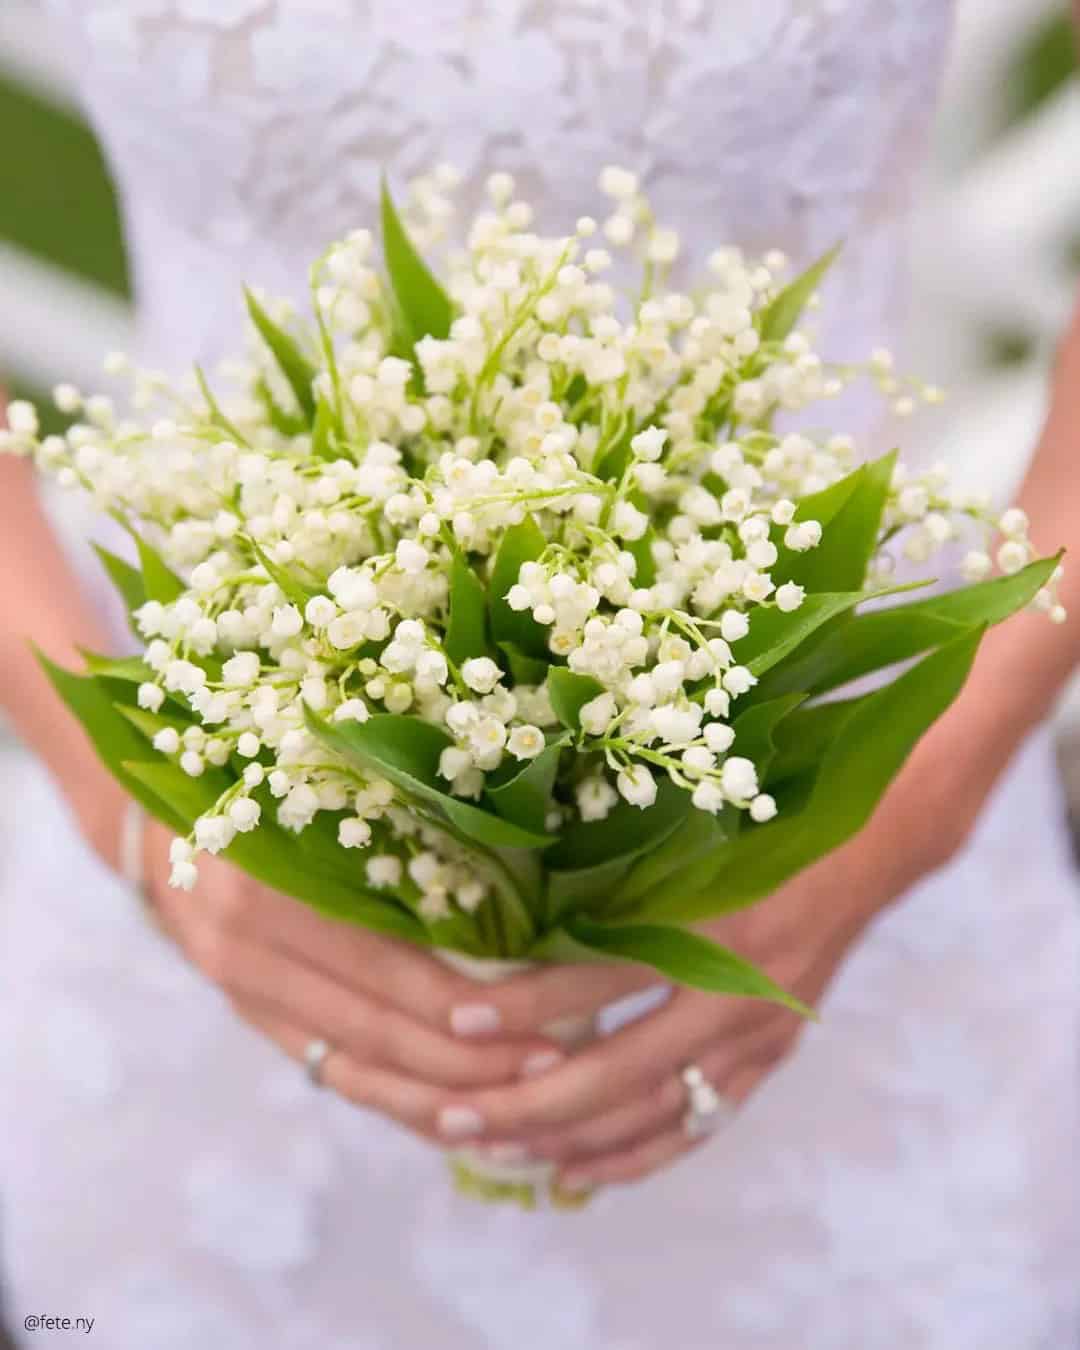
501, 617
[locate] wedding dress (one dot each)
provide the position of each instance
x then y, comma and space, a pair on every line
908, 1180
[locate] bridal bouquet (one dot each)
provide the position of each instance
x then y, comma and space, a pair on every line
501, 617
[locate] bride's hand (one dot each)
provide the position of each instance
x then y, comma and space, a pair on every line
383, 1007
613, 1113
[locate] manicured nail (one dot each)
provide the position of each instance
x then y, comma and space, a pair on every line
460, 1122
509, 1153
474, 1019
541, 1061
575, 1185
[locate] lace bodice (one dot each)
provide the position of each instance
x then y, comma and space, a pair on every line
245, 134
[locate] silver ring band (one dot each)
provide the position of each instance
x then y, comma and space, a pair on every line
706, 1109
315, 1054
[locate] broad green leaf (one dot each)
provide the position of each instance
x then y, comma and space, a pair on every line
273, 856
114, 739
423, 304
466, 633
641, 549
291, 587
133, 669
774, 634
298, 370
699, 835
584, 887
406, 750
627, 832
886, 637
803, 739
322, 433
856, 770
523, 669
784, 312
756, 728
521, 544
525, 798
284, 422
128, 581
687, 958
148, 724
850, 539
160, 582
569, 693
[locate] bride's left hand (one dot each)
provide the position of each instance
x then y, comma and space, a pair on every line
613, 1112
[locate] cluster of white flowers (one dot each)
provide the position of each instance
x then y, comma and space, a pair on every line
316, 528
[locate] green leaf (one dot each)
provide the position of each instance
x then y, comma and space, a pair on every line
850, 539
523, 669
886, 637
423, 304
284, 422
699, 835
322, 433
291, 587
132, 669
627, 832
569, 693
406, 750
217, 417
160, 582
687, 958
128, 581
114, 739
275, 857
641, 549
525, 798
521, 544
857, 768
582, 887
466, 633
803, 739
298, 370
148, 724
779, 319
755, 730
774, 634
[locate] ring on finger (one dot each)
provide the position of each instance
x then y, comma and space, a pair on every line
706, 1110
315, 1056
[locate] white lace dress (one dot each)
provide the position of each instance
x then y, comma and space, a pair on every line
908, 1182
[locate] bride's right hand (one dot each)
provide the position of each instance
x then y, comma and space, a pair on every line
387, 1010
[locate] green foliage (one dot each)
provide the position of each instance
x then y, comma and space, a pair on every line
688, 958
299, 371
405, 751
525, 796
521, 544
424, 309
569, 693
466, 633
856, 768
287, 582
779, 320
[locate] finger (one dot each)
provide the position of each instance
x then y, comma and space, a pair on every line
393, 971
660, 1106
412, 1104
614, 1070
539, 999
368, 1030
632, 1164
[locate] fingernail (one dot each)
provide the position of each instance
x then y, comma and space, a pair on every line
540, 1061
460, 1122
576, 1185
474, 1019
509, 1153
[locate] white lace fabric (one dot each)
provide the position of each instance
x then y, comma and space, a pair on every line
908, 1180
